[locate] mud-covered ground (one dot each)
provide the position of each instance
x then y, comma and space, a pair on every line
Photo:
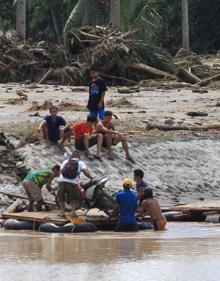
181, 166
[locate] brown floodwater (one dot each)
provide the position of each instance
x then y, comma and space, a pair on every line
186, 251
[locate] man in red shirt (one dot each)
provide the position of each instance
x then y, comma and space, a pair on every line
84, 137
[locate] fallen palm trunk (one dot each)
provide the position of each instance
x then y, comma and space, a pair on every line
13, 207
153, 72
151, 126
207, 81
188, 77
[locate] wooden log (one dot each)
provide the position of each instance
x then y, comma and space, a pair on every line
46, 76
186, 76
155, 73
12, 195
13, 207
207, 81
152, 126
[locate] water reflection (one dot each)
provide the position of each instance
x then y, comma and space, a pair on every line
184, 252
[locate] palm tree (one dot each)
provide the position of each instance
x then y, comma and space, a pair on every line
115, 13
185, 24
21, 17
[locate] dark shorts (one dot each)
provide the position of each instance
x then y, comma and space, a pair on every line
126, 227
104, 143
79, 144
69, 192
54, 137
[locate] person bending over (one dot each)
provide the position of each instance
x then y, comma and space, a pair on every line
33, 183
150, 206
126, 206
85, 138
97, 89
53, 127
106, 127
69, 181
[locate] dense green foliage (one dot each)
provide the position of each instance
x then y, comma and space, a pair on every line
204, 18
159, 20
7, 14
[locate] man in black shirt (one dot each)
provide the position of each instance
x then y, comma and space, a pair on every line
97, 89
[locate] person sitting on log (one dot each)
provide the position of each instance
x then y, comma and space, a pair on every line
54, 127
97, 89
126, 207
106, 127
33, 183
151, 206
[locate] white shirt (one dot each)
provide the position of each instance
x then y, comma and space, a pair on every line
82, 166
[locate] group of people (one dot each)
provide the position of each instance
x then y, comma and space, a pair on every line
98, 130
128, 204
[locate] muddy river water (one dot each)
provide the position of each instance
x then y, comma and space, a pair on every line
186, 251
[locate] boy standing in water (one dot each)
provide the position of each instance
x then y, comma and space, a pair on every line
97, 89
150, 206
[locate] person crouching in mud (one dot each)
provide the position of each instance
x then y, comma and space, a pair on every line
33, 183
69, 181
150, 206
126, 207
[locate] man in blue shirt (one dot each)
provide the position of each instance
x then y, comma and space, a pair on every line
53, 127
126, 206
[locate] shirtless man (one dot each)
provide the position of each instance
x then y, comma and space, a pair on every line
150, 206
111, 136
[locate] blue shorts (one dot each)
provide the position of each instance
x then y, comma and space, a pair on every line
99, 113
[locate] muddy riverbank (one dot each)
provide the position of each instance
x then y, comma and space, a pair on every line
181, 166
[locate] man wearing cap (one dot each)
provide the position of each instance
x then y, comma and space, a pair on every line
126, 207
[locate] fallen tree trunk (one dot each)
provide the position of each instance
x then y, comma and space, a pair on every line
207, 81
151, 126
154, 72
186, 76
13, 207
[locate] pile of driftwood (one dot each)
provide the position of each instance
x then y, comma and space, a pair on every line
11, 163
114, 53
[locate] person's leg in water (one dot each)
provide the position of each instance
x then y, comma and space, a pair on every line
109, 140
120, 138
